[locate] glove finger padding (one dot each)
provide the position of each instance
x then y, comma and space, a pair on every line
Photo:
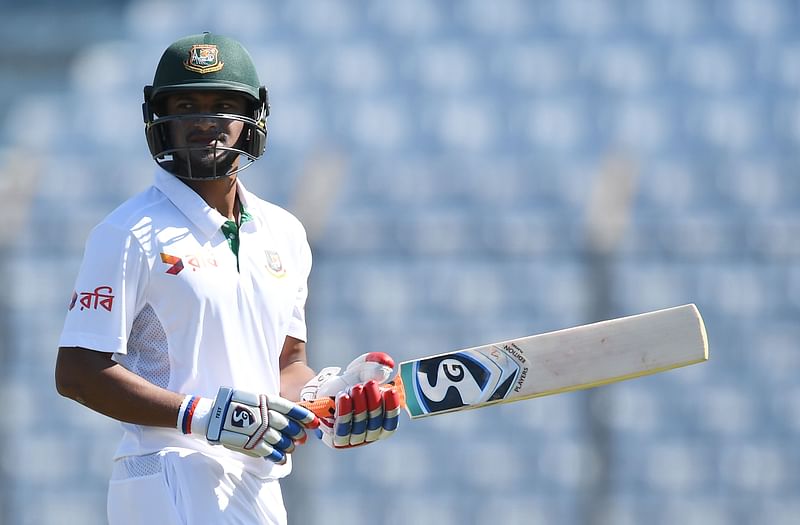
287, 427
358, 431
365, 414
392, 402
294, 411
343, 420
375, 411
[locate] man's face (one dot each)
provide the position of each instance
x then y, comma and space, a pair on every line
205, 136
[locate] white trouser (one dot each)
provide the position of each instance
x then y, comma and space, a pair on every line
183, 487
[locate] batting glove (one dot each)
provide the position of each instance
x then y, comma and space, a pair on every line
364, 411
258, 425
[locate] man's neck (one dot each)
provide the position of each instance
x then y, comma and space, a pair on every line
220, 194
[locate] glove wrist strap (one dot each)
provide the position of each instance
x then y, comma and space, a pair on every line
193, 415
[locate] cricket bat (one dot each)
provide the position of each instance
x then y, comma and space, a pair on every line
551, 363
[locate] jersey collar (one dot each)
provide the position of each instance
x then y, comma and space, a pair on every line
206, 218
244, 198
249, 205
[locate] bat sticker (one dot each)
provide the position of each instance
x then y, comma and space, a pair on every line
459, 379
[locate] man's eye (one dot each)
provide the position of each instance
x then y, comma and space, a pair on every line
232, 108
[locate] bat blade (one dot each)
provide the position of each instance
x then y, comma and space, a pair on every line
565, 360
551, 363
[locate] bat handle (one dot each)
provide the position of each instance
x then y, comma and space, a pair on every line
326, 406
322, 406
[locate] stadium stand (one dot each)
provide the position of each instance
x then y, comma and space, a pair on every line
473, 134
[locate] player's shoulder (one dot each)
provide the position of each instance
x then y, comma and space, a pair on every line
134, 213
274, 214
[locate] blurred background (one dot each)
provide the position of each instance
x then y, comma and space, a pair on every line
468, 171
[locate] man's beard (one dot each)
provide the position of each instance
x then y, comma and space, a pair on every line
204, 163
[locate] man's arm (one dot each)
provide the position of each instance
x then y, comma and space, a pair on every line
295, 372
95, 380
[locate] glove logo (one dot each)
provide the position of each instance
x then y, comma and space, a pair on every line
242, 417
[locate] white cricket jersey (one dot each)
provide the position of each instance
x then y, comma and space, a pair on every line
159, 288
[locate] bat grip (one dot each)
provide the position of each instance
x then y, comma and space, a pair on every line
322, 406
326, 406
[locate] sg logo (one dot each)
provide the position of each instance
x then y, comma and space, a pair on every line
451, 382
242, 417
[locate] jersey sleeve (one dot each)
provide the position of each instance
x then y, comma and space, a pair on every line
297, 325
109, 291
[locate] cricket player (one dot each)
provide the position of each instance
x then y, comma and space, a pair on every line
187, 320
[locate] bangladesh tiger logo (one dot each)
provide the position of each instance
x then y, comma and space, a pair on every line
274, 264
203, 58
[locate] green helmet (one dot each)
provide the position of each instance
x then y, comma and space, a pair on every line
205, 62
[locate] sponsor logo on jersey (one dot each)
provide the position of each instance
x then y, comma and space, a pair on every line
101, 297
200, 260
175, 262
274, 264
195, 261
203, 58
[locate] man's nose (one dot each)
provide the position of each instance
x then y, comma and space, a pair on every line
206, 124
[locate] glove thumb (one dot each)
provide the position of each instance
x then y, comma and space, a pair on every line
372, 366
311, 390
